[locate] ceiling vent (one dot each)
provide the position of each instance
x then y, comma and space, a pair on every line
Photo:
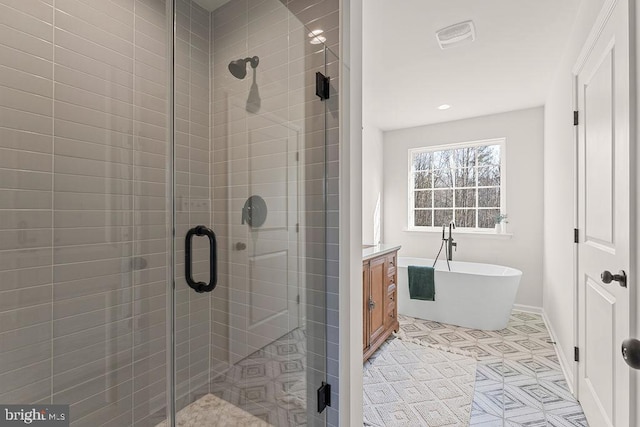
456, 35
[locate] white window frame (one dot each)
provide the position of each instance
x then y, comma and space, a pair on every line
425, 149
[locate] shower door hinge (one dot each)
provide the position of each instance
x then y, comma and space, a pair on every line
324, 396
297, 156
575, 118
297, 228
576, 354
322, 86
298, 298
576, 236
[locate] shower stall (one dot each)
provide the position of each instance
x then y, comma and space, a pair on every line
167, 190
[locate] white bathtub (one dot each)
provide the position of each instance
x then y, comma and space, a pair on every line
472, 295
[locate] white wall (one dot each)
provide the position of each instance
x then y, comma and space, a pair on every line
372, 165
559, 184
523, 131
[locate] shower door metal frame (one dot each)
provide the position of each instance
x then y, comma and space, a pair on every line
171, 210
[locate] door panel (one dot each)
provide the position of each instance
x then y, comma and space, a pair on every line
599, 185
600, 306
603, 84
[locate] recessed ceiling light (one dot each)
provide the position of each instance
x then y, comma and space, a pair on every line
316, 37
444, 107
318, 40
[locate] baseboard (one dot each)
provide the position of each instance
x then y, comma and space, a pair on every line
527, 308
565, 365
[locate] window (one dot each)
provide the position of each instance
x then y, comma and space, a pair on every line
461, 182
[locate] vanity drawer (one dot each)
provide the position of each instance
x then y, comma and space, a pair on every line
390, 314
391, 264
391, 298
391, 283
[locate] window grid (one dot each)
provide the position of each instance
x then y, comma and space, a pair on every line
432, 189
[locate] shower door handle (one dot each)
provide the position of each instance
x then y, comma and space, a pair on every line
200, 287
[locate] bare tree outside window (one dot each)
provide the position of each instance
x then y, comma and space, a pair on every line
463, 184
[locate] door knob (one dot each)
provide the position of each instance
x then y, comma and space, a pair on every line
631, 352
372, 304
621, 277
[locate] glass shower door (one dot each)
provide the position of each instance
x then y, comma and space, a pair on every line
250, 166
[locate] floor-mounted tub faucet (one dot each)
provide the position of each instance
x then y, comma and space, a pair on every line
450, 243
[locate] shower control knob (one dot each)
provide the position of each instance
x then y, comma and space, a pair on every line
621, 277
240, 246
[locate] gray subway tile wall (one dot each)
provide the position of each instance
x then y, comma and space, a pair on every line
83, 142
25, 340
118, 335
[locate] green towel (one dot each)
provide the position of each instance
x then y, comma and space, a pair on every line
421, 284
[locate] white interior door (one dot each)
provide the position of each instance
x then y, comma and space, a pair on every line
264, 272
603, 85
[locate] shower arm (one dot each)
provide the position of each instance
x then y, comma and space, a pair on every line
254, 61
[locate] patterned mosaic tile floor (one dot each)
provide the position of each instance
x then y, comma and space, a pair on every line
518, 380
271, 383
211, 411
408, 383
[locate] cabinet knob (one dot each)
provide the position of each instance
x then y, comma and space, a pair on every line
391, 297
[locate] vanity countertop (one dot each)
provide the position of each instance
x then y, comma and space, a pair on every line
372, 251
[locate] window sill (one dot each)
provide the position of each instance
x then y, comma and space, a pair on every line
481, 234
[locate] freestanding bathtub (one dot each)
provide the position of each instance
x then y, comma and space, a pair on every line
478, 296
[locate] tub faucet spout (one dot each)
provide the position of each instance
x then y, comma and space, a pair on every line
450, 243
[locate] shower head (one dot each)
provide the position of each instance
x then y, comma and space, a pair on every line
239, 67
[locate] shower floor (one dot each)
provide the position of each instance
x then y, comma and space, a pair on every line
270, 384
268, 388
212, 411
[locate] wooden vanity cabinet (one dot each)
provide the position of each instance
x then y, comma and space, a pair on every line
380, 310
